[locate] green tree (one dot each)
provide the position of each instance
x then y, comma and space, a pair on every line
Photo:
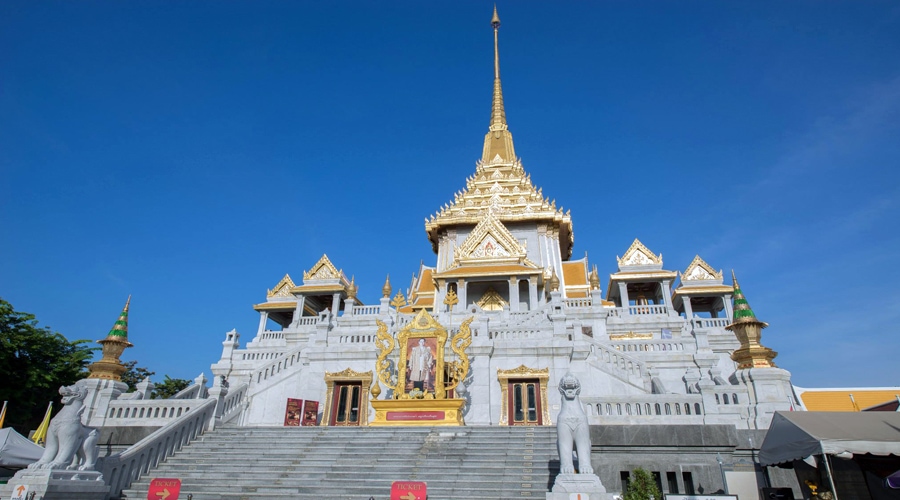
34, 362
169, 387
642, 486
135, 374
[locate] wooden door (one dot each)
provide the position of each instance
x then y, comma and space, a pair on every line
346, 404
524, 402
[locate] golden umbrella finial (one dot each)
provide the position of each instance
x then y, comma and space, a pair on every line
386, 289
554, 281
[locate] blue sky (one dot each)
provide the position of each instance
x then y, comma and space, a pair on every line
192, 153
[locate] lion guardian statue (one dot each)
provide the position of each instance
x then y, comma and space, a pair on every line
70, 444
572, 429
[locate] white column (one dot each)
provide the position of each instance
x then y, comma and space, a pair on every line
335, 304
729, 312
461, 295
688, 310
532, 292
623, 293
298, 311
514, 294
263, 317
665, 287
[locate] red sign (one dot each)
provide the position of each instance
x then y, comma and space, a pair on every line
310, 412
292, 413
415, 415
409, 490
164, 488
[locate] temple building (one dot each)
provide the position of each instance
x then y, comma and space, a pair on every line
656, 345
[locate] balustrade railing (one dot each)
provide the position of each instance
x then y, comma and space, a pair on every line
661, 406
517, 334
647, 309
711, 322
307, 320
620, 364
124, 468
231, 405
257, 354
366, 310
649, 346
271, 335
352, 339
580, 303
148, 412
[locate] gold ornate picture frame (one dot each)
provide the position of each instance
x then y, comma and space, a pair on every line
433, 337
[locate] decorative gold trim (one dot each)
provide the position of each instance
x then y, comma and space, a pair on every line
323, 270
630, 336
639, 255
492, 301
523, 372
700, 270
282, 288
490, 241
348, 375
422, 326
276, 306
451, 409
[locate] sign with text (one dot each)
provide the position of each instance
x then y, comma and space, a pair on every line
310, 413
409, 490
293, 412
19, 492
701, 497
164, 488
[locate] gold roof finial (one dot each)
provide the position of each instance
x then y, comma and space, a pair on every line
498, 141
554, 281
594, 279
748, 330
352, 289
386, 289
110, 367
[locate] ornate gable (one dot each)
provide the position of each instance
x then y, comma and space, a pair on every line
699, 270
283, 288
323, 270
490, 241
639, 255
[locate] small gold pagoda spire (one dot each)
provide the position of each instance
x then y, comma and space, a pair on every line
554, 280
386, 289
110, 367
594, 279
748, 331
498, 141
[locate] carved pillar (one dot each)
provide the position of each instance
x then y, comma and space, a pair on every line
729, 312
348, 306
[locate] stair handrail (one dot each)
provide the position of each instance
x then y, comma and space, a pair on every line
122, 469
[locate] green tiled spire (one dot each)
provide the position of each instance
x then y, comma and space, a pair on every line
742, 311
120, 328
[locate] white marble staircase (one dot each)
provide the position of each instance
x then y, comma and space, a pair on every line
457, 463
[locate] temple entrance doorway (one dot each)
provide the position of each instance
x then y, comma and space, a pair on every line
523, 396
346, 404
524, 400
346, 398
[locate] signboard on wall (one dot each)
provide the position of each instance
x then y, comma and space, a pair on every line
293, 412
310, 413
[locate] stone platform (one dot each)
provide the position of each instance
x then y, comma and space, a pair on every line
57, 484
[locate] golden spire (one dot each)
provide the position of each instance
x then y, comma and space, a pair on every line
110, 367
498, 141
554, 280
748, 330
386, 289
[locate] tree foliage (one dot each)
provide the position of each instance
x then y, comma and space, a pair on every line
642, 486
170, 387
34, 362
135, 374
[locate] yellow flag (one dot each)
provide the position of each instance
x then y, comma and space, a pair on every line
3, 414
41, 433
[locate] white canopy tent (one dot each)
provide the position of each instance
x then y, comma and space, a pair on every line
17, 451
799, 434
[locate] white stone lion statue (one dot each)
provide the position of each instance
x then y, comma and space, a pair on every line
572, 429
70, 444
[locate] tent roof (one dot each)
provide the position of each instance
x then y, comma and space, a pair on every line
16, 450
798, 434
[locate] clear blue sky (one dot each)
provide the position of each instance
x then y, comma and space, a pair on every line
192, 153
